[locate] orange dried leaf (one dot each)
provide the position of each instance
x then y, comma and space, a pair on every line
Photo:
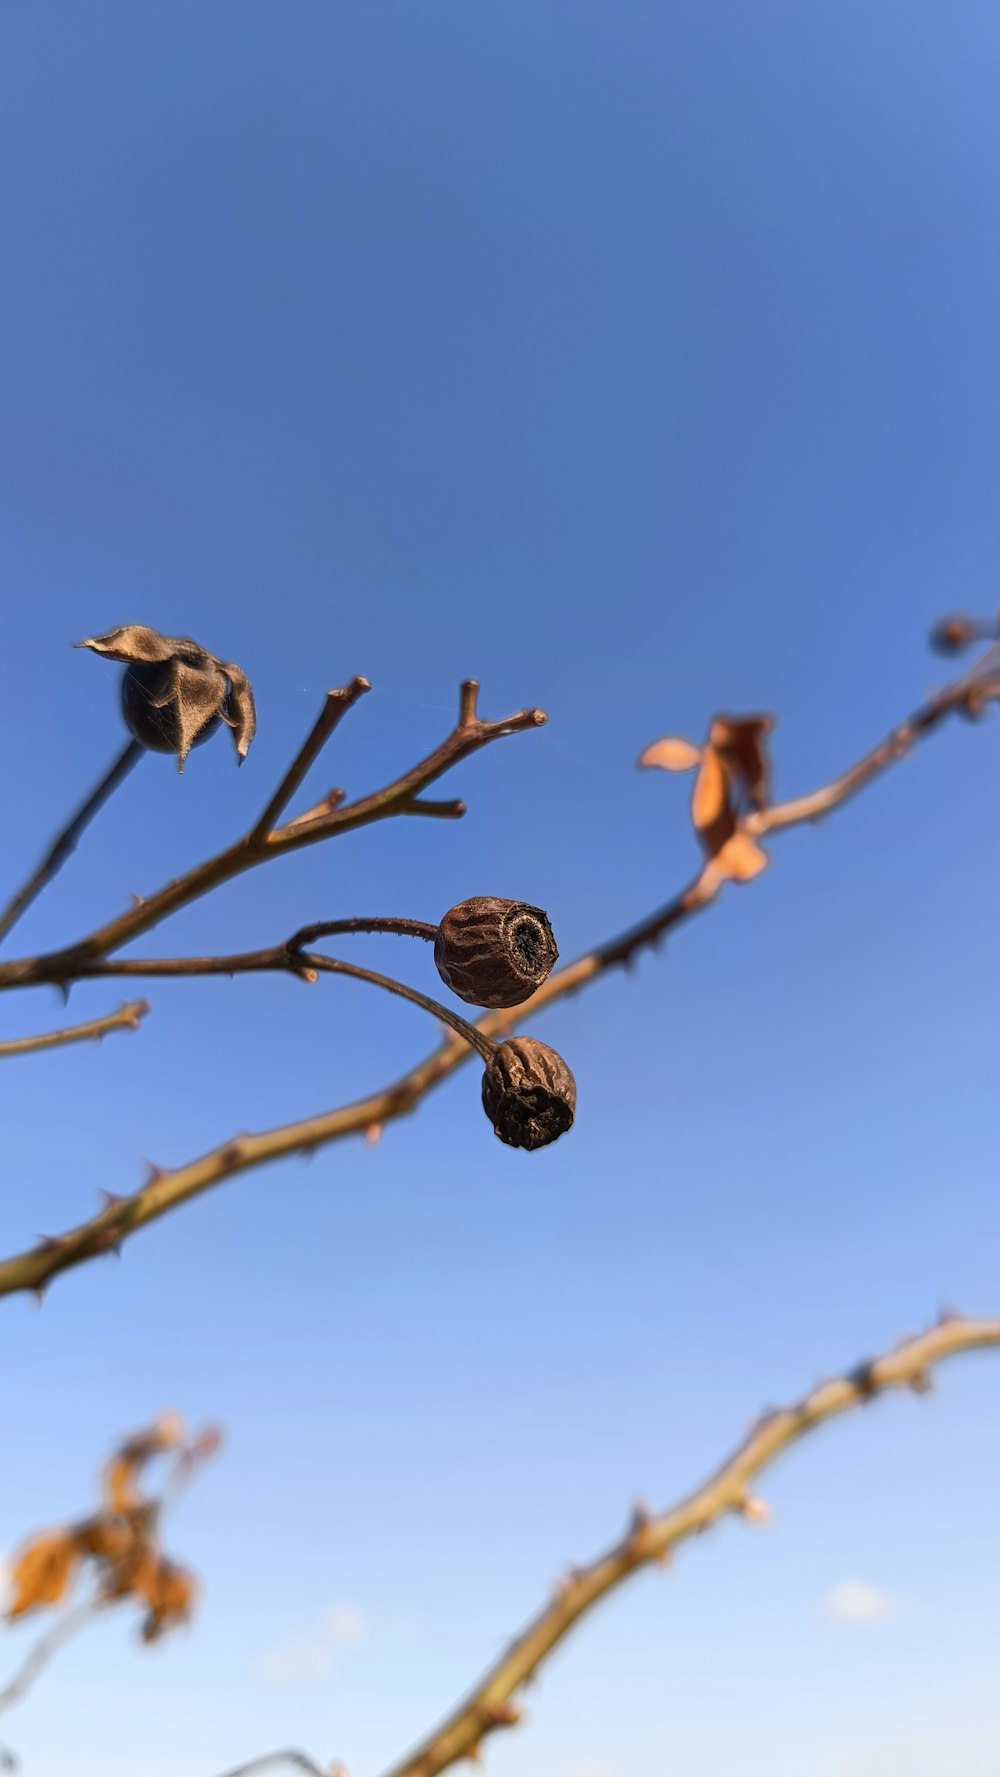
45, 1572
711, 814
671, 754
741, 858
170, 1591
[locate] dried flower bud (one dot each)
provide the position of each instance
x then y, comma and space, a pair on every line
951, 635
174, 693
492, 952
529, 1094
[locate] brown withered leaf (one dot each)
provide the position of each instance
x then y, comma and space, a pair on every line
169, 1590
120, 1479
733, 779
45, 1572
741, 744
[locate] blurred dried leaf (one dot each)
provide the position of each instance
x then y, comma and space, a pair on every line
671, 754
45, 1572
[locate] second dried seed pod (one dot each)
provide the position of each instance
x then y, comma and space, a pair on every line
529, 1094
493, 952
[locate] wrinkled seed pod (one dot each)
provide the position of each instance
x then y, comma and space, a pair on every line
529, 1094
150, 712
493, 952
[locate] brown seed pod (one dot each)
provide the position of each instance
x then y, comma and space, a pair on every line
174, 692
493, 952
529, 1094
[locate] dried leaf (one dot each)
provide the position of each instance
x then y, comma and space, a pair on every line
711, 814
45, 1572
740, 742
671, 754
741, 858
170, 1591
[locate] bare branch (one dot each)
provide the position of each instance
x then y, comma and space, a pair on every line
48, 1644
126, 1018
246, 853
33, 1268
336, 706
66, 841
272, 1761
648, 1539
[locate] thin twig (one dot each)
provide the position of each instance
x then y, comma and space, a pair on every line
39, 1656
650, 1539
166, 1190
272, 1760
126, 1018
66, 841
336, 706
398, 797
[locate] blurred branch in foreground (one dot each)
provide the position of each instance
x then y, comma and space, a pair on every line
651, 1538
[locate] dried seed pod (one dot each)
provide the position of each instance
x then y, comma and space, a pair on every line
529, 1094
951, 635
174, 692
493, 952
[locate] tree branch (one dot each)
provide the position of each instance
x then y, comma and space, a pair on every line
66, 841
126, 1018
649, 1539
48, 1644
328, 820
166, 1190
272, 1760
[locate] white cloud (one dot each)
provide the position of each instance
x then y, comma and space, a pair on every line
345, 1625
854, 1602
311, 1657
294, 1663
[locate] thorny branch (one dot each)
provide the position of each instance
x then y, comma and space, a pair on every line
651, 1539
165, 1190
126, 1018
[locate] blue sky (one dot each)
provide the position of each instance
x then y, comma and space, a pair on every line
642, 361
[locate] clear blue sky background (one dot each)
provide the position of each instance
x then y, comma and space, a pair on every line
641, 360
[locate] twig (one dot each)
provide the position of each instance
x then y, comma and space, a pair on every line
39, 1656
166, 1190
400, 797
490, 1705
271, 1760
126, 1018
336, 706
66, 841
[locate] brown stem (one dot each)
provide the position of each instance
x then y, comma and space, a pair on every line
165, 1191
126, 1018
331, 928
270, 1761
246, 853
650, 1539
65, 842
334, 709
